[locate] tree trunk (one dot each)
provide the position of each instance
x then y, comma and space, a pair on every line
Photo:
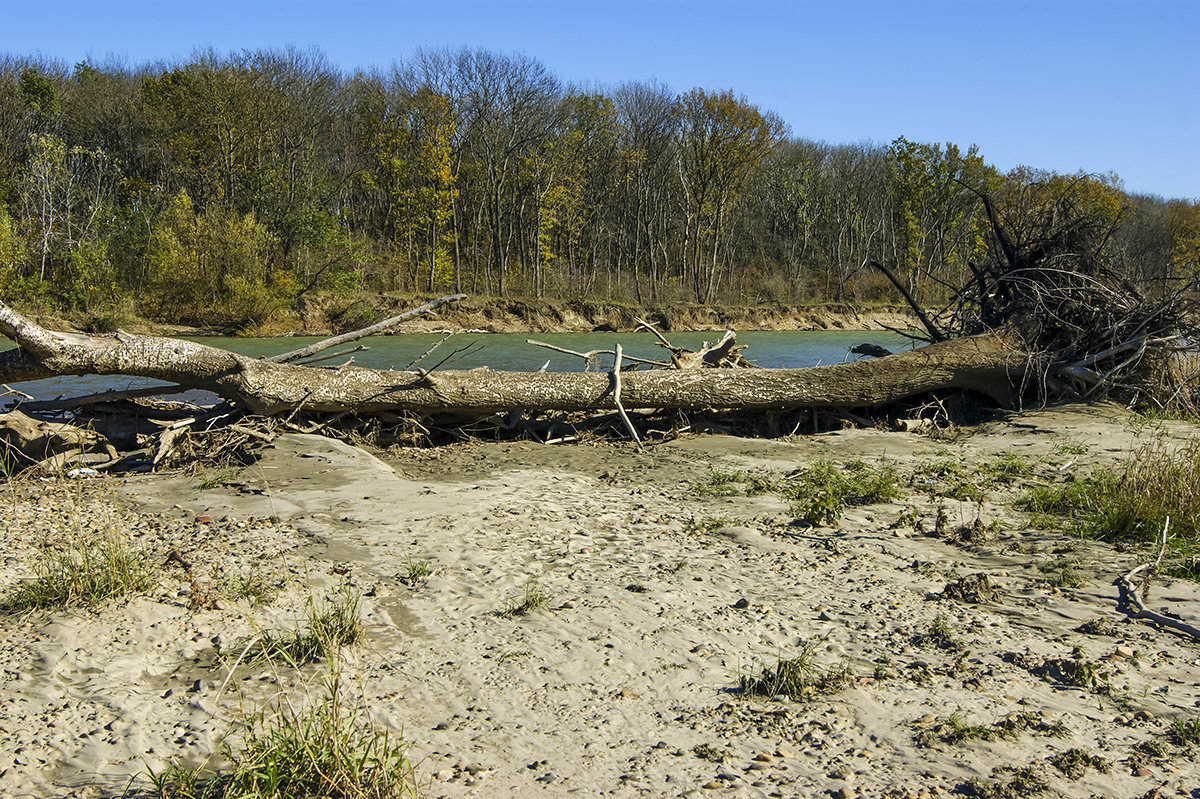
987, 364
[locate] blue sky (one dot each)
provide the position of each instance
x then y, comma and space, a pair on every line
1097, 85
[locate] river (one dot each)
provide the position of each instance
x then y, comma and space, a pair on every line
509, 351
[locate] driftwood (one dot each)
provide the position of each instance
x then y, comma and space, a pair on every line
25, 441
988, 364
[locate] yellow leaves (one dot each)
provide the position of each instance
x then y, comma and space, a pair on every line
1183, 223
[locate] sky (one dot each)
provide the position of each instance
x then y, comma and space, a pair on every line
1066, 85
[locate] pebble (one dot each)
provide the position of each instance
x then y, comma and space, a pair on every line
742, 603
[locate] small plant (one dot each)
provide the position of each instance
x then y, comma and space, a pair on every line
723, 484
1064, 573
911, 517
1132, 504
709, 525
83, 571
254, 586
1074, 670
798, 678
1023, 783
1101, 625
321, 749
533, 598
1074, 763
883, 668
955, 729
1008, 467
331, 624
218, 479
820, 493
940, 635
417, 569
1186, 732
1072, 447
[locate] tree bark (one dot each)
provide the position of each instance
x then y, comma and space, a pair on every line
987, 364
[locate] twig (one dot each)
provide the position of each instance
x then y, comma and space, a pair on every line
386, 324
426, 353
338, 354
95, 399
589, 356
1129, 594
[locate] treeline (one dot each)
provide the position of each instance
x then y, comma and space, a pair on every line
224, 190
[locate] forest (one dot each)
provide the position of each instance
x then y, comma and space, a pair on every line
227, 191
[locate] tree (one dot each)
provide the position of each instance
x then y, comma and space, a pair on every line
722, 138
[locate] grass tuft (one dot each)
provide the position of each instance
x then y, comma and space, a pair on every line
798, 678
323, 748
331, 623
533, 598
1132, 504
86, 570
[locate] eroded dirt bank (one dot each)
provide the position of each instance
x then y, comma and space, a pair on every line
660, 596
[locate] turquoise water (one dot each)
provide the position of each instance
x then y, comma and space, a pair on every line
510, 352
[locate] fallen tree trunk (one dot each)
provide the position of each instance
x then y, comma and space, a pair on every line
987, 364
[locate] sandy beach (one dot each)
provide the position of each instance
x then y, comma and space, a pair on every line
662, 596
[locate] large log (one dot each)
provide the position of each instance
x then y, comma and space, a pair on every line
987, 364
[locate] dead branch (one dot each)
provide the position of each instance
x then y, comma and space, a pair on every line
373, 330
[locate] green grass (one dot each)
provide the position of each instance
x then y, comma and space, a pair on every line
1186, 732
219, 478
1131, 504
1063, 572
956, 730
1024, 783
86, 570
1074, 763
321, 748
821, 492
798, 678
331, 623
532, 598
417, 569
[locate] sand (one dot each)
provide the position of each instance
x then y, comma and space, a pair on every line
660, 597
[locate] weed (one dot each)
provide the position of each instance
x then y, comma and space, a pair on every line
533, 598
708, 526
254, 586
821, 492
85, 570
1072, 447
219, 478
797, 678
940, 635
1063, 572
417, 569
911, 517
322, 749
883, 668
1025, 782
1074, 670
1007, 467
1074, 763
1132, 504
331, 623
1186, 732
1102, 625
955, 729
723, 484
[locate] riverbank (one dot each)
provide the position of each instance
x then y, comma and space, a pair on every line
326, 315
662, 587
